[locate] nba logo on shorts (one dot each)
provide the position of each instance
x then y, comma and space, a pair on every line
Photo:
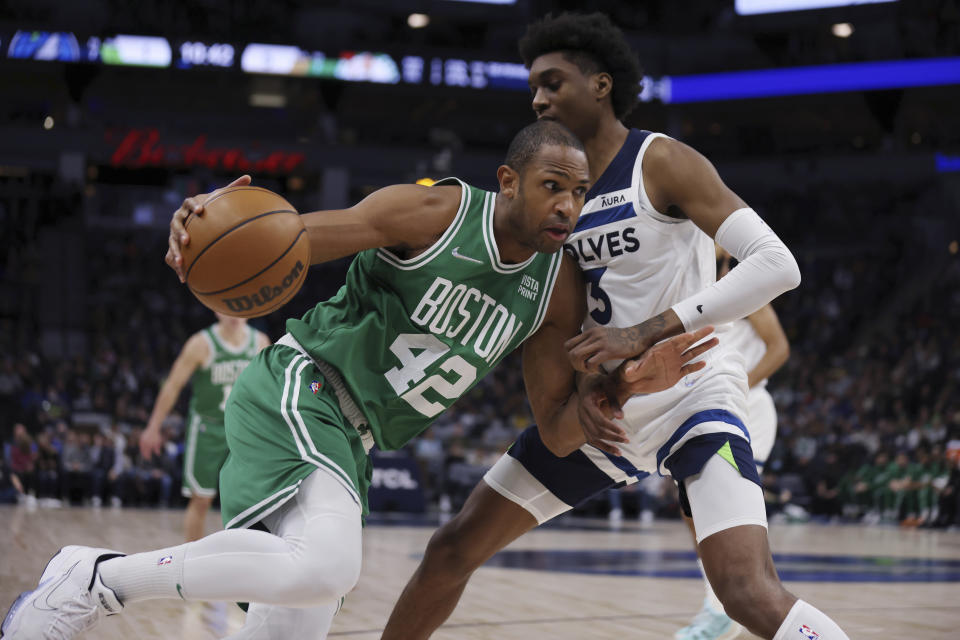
809, 633
164, 560
315, 386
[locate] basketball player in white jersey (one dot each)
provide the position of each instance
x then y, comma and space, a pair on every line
644, 241
764, 346
216, 355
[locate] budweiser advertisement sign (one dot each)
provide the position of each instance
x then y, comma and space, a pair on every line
145, 148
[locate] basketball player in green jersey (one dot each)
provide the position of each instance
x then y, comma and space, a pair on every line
447, 281
211, 359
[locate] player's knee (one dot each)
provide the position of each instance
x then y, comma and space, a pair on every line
325, 579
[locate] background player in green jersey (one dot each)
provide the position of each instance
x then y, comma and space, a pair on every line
419, 329
213, 358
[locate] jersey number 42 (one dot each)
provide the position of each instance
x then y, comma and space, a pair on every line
416, 352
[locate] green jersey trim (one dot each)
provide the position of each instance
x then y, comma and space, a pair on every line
490, 240
440, 245
545, 301
243, 349
298, 429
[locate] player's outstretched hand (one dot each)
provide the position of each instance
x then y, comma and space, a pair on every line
151, 442
596, 413
663, 365
178, 236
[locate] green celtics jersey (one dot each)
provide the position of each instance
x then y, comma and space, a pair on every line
212, 381
410, 336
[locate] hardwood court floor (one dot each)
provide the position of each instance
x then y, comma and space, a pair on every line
615, 592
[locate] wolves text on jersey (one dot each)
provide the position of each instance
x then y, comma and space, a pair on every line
589, 248
459, 311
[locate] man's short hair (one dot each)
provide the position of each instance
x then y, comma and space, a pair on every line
533, 137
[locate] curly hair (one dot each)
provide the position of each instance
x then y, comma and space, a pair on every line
595, 45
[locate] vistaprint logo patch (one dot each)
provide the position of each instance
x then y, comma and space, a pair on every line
808, 633
164, 560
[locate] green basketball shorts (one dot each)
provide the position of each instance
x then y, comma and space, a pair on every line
283, 422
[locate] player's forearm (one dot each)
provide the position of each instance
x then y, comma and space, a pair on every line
766, 269
162, 407
652, 330
335, 234
561, 431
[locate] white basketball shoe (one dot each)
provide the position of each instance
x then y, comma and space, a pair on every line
69, 599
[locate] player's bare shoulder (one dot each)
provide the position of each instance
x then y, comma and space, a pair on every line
440, 205
196, 349
421, 215
681, 182
667, 161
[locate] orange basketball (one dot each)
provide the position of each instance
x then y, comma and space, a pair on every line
248, 252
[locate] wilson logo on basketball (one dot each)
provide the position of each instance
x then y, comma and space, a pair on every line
266, 294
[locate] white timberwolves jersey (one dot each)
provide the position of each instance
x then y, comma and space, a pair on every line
638, 263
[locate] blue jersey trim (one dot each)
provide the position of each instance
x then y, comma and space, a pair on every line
606, 216
625, 465
619, 174
710, 415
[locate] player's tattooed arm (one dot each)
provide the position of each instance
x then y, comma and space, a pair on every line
595, 346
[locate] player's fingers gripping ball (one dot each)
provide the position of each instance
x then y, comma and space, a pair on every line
248, 254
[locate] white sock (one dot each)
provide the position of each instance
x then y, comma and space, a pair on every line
806, 622
711, 599
144, 576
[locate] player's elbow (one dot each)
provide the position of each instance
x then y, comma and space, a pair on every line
784, 353
794, 275
790, 271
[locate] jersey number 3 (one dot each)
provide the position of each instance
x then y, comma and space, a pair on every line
416, 352
600, 308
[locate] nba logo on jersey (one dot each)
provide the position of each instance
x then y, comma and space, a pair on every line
809, 633
315, 386
164, 560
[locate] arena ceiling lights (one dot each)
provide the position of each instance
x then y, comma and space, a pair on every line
755, 7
